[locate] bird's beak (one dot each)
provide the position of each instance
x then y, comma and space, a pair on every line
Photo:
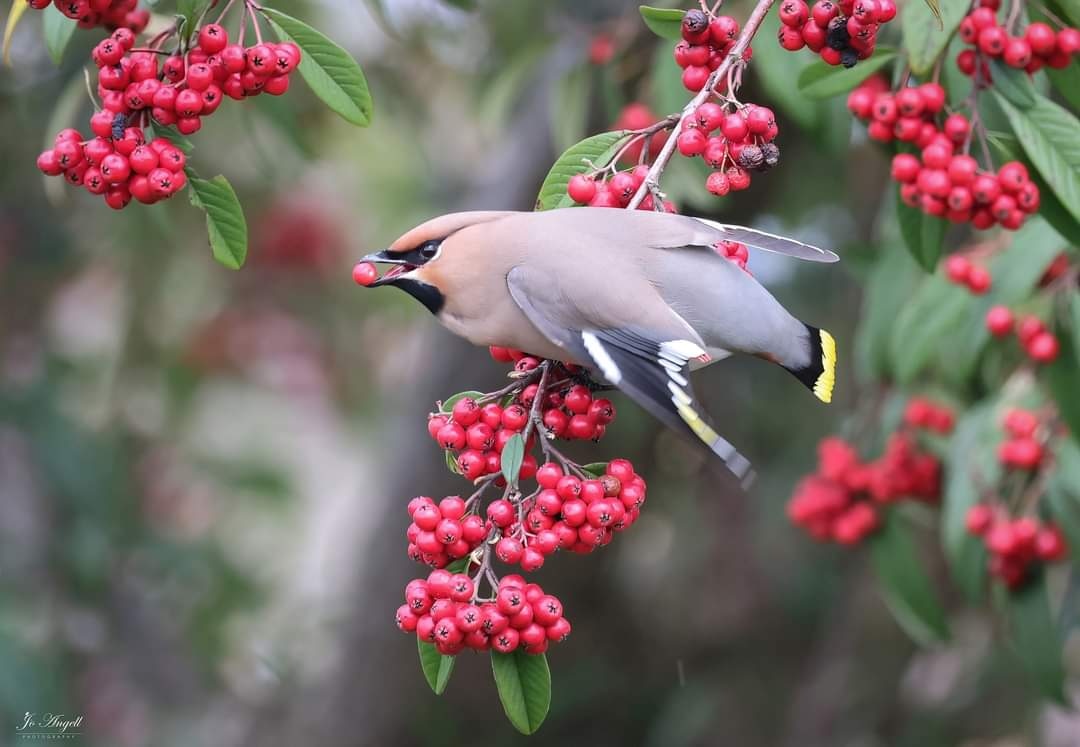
386, 258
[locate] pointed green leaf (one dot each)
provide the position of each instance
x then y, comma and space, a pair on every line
1062, 376
189, 11
437, 667
570, 107
1036, 638
595, 468
598, 150
1047, 133
1063, 493
1013, 84
524, 685
971, 457
935, 9
225, 221
513, 454
447, 405
1067, 82
905, 585
331, 72
936, 309
664, 22
819, 80
57, 29
926, 32
924, 234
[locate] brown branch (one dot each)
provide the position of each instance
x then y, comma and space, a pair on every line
652, 180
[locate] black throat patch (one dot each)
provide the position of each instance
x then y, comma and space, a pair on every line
426, 294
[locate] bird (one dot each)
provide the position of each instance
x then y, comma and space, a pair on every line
638, 297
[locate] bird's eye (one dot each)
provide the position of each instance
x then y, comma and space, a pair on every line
429, 250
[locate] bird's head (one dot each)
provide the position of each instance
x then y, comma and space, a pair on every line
424, 258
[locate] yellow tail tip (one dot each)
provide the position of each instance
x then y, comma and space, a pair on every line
823, 387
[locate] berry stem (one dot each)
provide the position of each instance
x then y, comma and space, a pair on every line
652, 180
225, 11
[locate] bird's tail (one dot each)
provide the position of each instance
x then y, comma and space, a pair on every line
819, 374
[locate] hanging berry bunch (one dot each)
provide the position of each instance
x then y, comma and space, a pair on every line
1014, 535
151, 93
841, 33
943, 180
843, 501
109, 14
1029, 49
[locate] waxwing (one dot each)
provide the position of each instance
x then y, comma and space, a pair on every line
637, 297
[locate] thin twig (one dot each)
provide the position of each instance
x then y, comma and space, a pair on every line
652, 180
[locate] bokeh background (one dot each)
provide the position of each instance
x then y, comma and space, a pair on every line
203, 473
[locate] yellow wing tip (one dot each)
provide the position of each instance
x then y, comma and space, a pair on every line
823, 387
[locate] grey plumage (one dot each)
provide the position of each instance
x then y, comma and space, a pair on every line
637, 296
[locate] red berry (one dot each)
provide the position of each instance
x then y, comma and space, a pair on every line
1043, 347
999, 320
581, 188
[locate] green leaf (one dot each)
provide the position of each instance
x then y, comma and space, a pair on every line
569, 108
935, 9
225, 222
1062, 376
1047, 133
513, 454
664, 22
905, 585
331, 72
1066, 82
936, 308
924, 234
1013, 84
595, 468
820, 80
888, 289
524, 685
1063, 493
437, 667
189, 10
447, 405
926, 32
1036, 638
57, 29
1050, 206
598, 149
18, 8
971, 462
173, 137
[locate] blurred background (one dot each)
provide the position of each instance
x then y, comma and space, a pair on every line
204, 473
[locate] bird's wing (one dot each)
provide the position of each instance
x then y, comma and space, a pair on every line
769, 242
651, 367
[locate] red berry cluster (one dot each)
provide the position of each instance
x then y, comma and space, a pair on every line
906, 115
706, 41
442, 532
188, 87
568, 513
1038, 46
951, 185
1016, 545
118, 162
1038, 342
959, 269
443, 610
1022, 449
736, 252
842, 33
478, 433
842, 501
117, 168
733, 142
929, 415
600, 189
112, 14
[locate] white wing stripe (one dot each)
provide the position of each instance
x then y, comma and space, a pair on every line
600, 356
